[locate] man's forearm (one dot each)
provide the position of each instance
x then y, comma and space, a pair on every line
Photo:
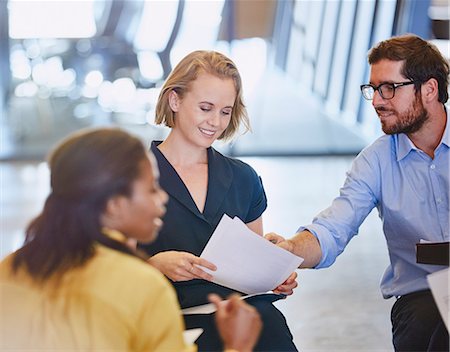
306, 245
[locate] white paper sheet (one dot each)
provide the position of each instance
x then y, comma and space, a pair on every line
438, 282
209, 308
191, 335
245, 261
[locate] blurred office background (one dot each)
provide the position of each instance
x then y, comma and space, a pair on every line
72, 64
66, 65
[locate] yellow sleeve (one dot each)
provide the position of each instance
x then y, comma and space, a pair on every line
161, 325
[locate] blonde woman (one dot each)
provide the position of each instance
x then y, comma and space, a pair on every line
201, 101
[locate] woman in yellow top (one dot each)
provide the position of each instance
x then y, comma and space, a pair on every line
76, 284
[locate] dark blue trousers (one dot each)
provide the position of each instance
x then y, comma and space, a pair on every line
275, 335
417, 324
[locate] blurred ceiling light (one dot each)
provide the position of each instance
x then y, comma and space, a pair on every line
33, 51
195, 11
156, 25
82, 111
84, 46
94, 78
150, 65
250, 56
68, 78
26, 89
51, 19
89, 92
20, 65
124, 90
44, 92
105, 96
49, 72
201, 21
39, 74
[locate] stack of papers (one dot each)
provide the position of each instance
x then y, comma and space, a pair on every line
246, 261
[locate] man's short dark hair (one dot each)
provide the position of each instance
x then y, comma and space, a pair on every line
422, 60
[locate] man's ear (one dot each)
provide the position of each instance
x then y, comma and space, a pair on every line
174, 101
430, 90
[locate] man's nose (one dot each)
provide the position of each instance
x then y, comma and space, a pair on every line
377, 99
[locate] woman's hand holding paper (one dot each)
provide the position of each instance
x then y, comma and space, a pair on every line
287, 287
181, 266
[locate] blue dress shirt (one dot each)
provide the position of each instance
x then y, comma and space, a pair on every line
410, 191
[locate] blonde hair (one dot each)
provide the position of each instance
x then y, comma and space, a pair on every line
187, 71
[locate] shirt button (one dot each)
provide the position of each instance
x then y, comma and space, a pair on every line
432, 167
439, 200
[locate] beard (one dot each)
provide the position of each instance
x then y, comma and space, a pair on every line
410, 121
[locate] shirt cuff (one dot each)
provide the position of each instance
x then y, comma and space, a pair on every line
325, 245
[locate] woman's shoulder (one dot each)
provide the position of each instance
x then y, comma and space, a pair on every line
126, 267
6, 267
110, 278
12, 275
238, 166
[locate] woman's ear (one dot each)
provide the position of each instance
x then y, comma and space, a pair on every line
113, 214
174, 101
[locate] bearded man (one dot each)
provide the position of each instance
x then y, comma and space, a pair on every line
405, 175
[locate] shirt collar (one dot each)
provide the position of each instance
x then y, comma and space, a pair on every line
446, 136
114, 234
404, 144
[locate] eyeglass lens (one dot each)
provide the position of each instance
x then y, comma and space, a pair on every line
386, 91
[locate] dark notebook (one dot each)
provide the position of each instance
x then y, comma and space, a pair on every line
436, 253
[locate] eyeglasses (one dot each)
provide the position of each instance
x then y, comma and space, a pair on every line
386, 90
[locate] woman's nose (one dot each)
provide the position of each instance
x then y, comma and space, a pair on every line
214, 119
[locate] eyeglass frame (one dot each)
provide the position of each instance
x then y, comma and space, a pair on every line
378, 88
